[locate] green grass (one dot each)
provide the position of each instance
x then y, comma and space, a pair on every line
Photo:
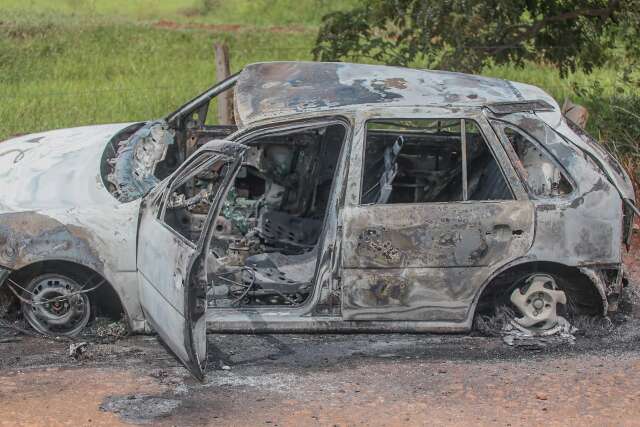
59, 71
126, 8
245, 12
73, 62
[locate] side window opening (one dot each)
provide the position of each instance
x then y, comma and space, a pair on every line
429, 160
485, 180
191, 197
543, 177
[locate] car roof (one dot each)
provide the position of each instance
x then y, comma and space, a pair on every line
274, 89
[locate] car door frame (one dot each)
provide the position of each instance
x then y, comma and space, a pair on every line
448, 312
326, 276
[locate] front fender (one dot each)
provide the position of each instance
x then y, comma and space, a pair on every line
108, 249
30, 237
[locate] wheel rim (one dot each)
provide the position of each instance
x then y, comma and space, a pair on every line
537, 302
54, 310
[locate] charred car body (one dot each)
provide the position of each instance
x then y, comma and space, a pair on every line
346, 197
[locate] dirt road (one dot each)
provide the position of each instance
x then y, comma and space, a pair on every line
326, 380
318, 380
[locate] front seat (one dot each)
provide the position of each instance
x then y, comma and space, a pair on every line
287, 274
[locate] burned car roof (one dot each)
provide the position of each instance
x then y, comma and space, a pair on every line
271, 89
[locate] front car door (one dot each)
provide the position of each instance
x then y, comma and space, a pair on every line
172, 247
433, 206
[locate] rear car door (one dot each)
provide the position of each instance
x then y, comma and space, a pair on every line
172, 248
433, 207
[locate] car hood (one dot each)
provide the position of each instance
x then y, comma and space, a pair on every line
55, 170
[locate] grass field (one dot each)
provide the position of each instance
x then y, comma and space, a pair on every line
74, 62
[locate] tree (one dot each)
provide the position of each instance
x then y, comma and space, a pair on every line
465, 35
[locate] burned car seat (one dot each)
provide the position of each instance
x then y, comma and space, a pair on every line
280, 229
290, 270
285, 274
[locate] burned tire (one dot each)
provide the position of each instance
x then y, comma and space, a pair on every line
54, 305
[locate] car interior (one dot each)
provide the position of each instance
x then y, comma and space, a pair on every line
265, 245
421, 161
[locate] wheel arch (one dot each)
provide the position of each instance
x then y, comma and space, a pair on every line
584, 286
106, 298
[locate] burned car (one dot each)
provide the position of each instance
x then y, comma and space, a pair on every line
346, 197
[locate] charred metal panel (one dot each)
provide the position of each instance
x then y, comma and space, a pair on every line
89, 237
164, 258
55, 170
585, 226
95, 237
436, 234
164, 261
29, 237
581, 233
426, 294
271, 89
137, 158
427, 261
234, 321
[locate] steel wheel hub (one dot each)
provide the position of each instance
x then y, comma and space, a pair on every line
537, 301
56, 308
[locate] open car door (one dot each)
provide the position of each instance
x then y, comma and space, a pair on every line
172, 248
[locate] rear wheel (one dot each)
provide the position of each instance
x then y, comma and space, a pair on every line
536, 300
55, 307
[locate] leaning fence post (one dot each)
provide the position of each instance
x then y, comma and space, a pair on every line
225, 99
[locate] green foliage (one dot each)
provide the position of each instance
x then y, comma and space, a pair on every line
238, 12
77, 62
270, 12
614, 119
467, 36
77, 72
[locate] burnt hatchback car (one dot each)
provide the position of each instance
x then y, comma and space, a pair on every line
346, 197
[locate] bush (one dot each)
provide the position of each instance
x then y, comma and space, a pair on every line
614, 120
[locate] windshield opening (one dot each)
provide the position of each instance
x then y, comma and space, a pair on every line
138, 158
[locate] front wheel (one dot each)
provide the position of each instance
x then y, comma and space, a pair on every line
54, 305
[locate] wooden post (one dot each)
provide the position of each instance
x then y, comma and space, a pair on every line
225, 99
